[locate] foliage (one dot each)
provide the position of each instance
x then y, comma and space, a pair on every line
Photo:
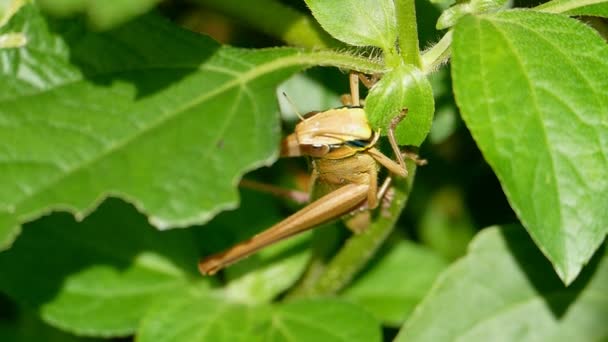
115, 121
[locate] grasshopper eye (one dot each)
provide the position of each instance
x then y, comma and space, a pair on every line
358, 143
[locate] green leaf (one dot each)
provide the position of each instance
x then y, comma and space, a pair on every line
12, 40
358, 22
195, 318
273, 270
9, 229
97, 277
307, 94
166, 119
394, 283
446, 224
505, 290
8, 8
597, 8
446, 118
533, 91
451, 16
27, 327
446, 122
102, 14
404, 87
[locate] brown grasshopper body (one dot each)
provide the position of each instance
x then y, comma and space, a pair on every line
345, 175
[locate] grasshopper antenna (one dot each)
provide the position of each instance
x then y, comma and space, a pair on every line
293, 105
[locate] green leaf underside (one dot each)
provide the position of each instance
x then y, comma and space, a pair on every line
97, 277
208, 319
169, 122
404, 87
533, 90
358, 22
504, 290
597, 8
393, 285
102, 14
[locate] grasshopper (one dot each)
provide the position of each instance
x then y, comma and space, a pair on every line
345, 165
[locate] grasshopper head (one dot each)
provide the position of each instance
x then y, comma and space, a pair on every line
291, 147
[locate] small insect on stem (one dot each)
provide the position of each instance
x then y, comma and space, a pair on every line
344, 178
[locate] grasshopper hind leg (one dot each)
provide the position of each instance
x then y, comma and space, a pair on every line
326, 208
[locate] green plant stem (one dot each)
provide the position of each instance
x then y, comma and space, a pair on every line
275, 19
328, 58
408, 32
359, 249
437, 55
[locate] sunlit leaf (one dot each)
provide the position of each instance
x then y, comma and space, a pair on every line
169, 122
505, 290
533, 91
358, 22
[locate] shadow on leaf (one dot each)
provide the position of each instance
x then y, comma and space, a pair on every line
150, 65
542, 276
111, 248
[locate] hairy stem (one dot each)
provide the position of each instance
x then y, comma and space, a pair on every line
408, 32
275, 19
337, 59
437, 55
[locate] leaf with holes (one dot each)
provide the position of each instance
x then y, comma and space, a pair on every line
533, 91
